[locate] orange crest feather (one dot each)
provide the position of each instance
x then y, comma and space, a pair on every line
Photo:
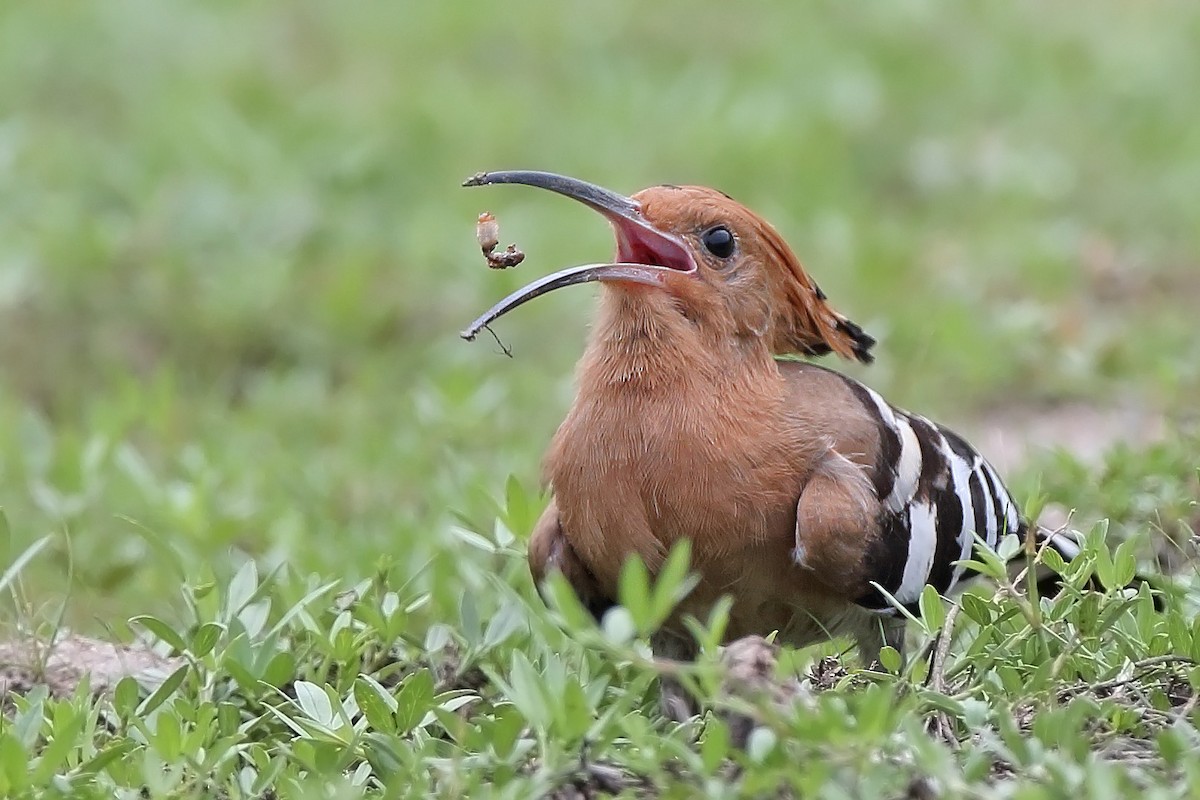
809, 325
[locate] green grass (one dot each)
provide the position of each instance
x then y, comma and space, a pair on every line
234, 259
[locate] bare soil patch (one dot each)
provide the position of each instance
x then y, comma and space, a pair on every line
1011, 436
62, 666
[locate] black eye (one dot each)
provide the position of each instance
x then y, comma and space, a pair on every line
719, 241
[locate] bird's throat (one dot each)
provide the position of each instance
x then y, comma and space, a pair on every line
667, 438
642, 341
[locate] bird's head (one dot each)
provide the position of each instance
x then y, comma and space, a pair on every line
722, 267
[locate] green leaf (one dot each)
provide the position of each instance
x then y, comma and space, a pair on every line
229, 719
890, 659
245, 679
241, 588
1125, 564
110, 753
125, 696
205, 638
572, 713
455, 699
896, 604
506, 729
437, 637
1194, 652
1035, 502
28, 724
385, 758
167, 738
976, 608
933, 612
64, 738
634, 592
709, 636
413, 700
469, 614
301, 606
715, 746
519, 511
376, 704
988, 562
1180, 633
1009, 547
1172, 746
279, 669
505, 623
473, 539
315, 703
674, 582
267, 777
1054, 560
527, 691
876, 707
562, 599
618, 625
163, 692
761, 744
162, 631
14, 766
27, 555
1106, 571
253, 616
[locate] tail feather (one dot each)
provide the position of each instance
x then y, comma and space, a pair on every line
1067, 544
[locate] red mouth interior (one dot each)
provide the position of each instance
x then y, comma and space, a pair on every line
640, 244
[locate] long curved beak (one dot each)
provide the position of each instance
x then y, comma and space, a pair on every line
645, 274
645, 254
600, 199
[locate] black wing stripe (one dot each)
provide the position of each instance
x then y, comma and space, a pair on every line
935, 471
936, 493
980, 502
962, 459
884, 560
949, 527
890, 446
997, 505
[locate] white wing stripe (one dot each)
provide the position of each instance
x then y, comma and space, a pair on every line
922, 543
960, 471
908, 472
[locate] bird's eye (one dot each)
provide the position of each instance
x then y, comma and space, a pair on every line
719, 241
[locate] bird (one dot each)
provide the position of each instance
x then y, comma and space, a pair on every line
700, 414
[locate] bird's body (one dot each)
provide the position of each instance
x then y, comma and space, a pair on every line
798, 488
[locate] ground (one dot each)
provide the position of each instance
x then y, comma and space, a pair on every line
239, 433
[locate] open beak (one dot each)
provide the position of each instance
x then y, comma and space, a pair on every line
645, 254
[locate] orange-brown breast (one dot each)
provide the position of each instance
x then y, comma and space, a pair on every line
666, 442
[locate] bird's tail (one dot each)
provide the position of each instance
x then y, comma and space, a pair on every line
1068, 545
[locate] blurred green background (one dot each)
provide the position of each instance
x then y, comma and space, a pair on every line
235, 256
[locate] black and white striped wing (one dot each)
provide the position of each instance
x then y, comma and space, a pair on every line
936, 492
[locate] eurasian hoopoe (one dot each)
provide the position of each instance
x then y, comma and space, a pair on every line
798, 487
